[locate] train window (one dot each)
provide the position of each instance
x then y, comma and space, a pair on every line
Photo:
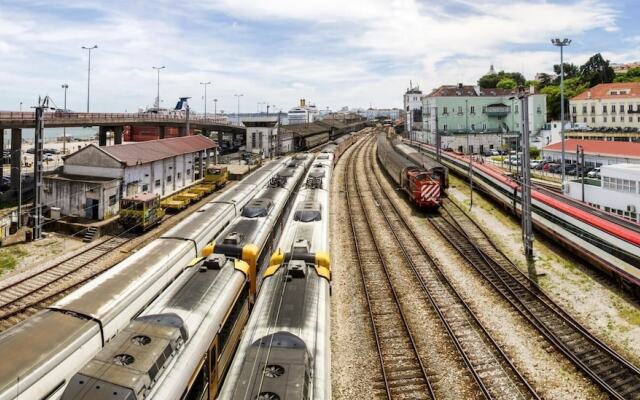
213, 358
199, 389
223, 336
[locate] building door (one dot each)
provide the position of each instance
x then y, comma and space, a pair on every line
91, 208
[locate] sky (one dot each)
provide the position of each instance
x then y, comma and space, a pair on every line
334, 53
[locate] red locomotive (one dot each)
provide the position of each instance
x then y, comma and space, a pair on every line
425, 186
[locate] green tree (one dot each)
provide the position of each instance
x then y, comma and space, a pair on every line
632, 75
489, 81
570, 71
596, 70
553, 101
534, 153
506, 83
544, 80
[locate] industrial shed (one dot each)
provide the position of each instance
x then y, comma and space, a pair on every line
94, 179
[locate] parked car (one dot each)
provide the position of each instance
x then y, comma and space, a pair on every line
594, 173
60, 111
549, 166
555, 169
541, 165
31, 150
51, 151
492, 153
534, 163
48, 157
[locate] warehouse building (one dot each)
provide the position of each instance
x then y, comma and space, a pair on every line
596, 152
94, 179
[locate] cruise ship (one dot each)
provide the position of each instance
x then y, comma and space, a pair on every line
303, 113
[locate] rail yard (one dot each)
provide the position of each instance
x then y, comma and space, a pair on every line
353, 270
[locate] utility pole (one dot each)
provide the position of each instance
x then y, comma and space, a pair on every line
525, 187
562, 44
215, 109
158, 92
435, 129
205, 84
238, 112
95, 46
580, 156
64, 128
37, 168
466, 103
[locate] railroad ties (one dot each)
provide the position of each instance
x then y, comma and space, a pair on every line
614, 374
491, 369
27, 295
404, 375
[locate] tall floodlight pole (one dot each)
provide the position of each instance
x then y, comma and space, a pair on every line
158, 86
205, 84
95, 46
238, 113
65, 86
562, 43
215, 109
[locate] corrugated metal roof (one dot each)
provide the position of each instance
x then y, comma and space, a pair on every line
598, 147
154, 150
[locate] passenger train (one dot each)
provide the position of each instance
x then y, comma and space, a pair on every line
610, 244
42, 353
424, 182
284, 352
201, 314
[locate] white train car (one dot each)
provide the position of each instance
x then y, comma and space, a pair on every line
43, 352
284, 352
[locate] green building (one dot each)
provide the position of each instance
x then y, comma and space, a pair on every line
471, 119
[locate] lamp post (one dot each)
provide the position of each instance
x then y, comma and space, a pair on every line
205, 84
215, 109
238, 113
562, 43
580, 157
65, 86
158, 86
95, 46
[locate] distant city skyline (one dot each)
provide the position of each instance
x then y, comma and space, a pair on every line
331, 53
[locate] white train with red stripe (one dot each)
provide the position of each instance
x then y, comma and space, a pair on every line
602, 239
425, 183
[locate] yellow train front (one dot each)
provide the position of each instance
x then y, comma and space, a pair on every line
140, 211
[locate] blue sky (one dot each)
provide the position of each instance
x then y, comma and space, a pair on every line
333, 53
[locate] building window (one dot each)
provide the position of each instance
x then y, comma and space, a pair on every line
584, 109
473, 127
145, 188
604, 108
113, 200
189, 172
484, 127
516, 107
630, 118
484, 109
168, 178
539, 110
613, 108
604, 119
593, 120
444, 111
574, 110
574, 119
444, 127
613, 119
253, 140
158, 183
179, 175
618, 184
593, 109
621, 108
584, 119
459, 110
473, 110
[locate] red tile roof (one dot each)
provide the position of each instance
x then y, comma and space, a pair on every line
467, 91
602, 91
154, 150
598, 147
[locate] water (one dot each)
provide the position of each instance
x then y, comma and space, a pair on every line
51, 134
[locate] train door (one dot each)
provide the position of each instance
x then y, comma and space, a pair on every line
198, 388
213, 369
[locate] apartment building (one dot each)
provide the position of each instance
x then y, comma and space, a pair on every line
608, 105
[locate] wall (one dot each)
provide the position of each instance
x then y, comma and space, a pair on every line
612, 199
71, 196
570, 156
592, 112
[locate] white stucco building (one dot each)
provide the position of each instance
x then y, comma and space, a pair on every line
94, 179
262, 135
608, 105
412, 103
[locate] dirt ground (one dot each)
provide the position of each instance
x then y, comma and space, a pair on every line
585, 293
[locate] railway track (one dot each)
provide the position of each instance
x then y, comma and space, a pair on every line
404, 375
23, 296
618, 377
490, 367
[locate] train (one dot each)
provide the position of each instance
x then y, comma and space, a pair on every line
42, 353
284, 352
339, 145
606, 241
201, 315
424, 182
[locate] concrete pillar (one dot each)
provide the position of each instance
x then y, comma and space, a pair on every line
182, 131
2, 163
117, 135
161, 130
220, 139
16, 158
102, 135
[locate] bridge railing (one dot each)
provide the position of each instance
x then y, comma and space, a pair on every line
59, 117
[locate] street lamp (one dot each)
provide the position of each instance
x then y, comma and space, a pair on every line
238, 114
95, 46
215, 109
205, 84
562, 43
158, 95
65, 86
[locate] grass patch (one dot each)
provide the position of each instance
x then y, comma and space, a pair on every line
10, 257
625, 311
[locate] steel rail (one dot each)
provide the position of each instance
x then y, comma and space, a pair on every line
618, 377
444, 285
351, 176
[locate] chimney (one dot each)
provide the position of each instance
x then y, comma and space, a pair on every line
302, 102
589, 94
459, 85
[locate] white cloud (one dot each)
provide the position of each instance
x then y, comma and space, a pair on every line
338, 53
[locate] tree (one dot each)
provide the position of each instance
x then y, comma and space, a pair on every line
544, 80
506, 83
534, 153
553, 101
596, 70
570, 70
491, 80
632, 75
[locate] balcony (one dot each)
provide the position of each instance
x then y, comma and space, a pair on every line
497, 110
